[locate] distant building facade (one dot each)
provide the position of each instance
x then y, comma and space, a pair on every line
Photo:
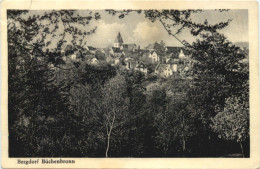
165, 70
154, 57
118, 41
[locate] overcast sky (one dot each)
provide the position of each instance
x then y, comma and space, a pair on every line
135, 28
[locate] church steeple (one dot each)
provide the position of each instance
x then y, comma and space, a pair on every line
118, 41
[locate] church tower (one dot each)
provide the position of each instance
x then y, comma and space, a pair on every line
119, 41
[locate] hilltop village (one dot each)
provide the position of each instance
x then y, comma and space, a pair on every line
156, 58
107, 97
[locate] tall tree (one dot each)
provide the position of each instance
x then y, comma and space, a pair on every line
216, 72
233, 122
115, 108
34, 93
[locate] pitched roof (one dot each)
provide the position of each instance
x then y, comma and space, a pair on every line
141, 65
119, 38
161, 67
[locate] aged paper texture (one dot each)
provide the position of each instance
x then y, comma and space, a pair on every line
129, 84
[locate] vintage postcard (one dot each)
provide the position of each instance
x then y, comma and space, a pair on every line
129, 84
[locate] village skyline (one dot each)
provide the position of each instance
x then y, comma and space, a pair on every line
136, 28
78, 87
241, 44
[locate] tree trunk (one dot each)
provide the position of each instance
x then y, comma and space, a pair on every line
108, 140
183, 137
183, 146
241, 146
109, 133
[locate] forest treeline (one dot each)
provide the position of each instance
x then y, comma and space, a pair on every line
56, 109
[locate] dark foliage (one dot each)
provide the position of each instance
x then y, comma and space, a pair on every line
75, 109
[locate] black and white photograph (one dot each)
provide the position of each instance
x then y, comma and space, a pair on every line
129, 83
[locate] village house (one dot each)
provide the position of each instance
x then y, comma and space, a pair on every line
141, 67
165, 70
130, 64
72, 53
173, 64
135, 65
154, 57
155, 52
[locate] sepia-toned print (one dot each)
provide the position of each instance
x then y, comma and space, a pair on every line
128, 83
